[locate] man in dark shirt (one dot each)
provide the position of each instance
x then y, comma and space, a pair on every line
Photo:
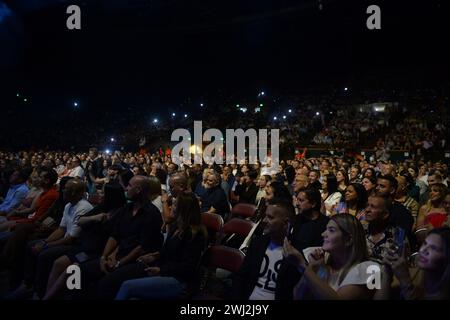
309, 224
214, 200
97, 164
314, 179
399, 215
137, 231
249, 189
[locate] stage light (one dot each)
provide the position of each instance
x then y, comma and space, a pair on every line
17, 95
317, 113
261, 105
25, 100
345, 89
290, 110
262, 93
201, 104
112, 140
274, 118
155, 120
284, 117
75, 104
237, 106
185, 115
173, 114
108, 151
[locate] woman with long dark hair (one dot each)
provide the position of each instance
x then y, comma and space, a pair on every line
430, 280
330, 194
173, 269
355, 201
369, 172
342, 180
369, 183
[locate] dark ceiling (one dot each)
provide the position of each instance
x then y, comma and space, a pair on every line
179, 47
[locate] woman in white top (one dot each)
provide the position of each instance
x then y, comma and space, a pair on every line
338, 270
330, 194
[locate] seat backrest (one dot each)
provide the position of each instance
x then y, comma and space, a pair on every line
243, 210
214, 224
223, 257
212, 221
238, 226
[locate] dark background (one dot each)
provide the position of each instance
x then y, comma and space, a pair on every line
155, 53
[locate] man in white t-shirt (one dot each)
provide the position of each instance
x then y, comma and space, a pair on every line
42, 253
263, 275
77, 170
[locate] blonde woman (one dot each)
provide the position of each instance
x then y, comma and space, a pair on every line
337, 270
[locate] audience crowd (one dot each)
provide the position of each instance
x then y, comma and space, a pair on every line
137, 227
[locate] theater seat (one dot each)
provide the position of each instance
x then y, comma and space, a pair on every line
243, 210
238, 226
214, 224
216, 257
223, 257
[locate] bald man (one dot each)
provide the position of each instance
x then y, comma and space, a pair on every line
137, 232
46, 251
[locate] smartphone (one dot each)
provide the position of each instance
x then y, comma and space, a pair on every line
82, 257
399, 240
